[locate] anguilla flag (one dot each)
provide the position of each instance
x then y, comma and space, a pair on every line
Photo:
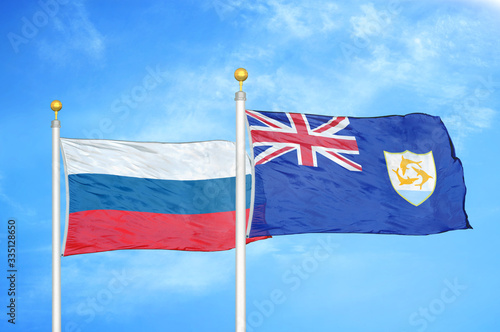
135, 195
391, 175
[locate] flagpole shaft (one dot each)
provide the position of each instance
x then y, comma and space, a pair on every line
240, 99
56, 228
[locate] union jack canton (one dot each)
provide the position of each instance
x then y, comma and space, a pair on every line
305, 135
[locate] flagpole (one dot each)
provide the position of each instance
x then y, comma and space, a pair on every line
56, 220
240, 97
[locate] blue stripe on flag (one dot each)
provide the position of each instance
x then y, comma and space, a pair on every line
112, 192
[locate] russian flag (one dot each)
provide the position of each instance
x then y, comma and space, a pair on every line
149, 195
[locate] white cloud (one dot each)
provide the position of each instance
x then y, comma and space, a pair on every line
465, 121
191, 106
261, 249
120, 282
19, 208
422, 48
247, 52
192, 273
495, 4
76, 35
483, 117
301, 20
373, 22
291, 19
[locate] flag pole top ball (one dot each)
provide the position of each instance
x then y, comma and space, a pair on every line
241, 74
56, 106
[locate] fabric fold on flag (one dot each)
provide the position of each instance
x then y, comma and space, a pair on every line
329, 174
150, 195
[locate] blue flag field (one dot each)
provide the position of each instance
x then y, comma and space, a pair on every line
325, 174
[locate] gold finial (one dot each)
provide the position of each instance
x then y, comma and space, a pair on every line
56, 106
241, 74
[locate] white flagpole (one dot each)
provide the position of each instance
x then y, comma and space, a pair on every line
56, 221
240, 74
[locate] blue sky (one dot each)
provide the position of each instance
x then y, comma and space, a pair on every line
163, 71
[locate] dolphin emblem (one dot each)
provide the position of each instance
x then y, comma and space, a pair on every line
405, 162
424, 175
402, 180
412, 175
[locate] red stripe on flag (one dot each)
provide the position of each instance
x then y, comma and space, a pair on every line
275, 154
263, 120
329, 125
345, 160
106, 230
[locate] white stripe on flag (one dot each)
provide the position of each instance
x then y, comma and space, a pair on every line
153, 160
